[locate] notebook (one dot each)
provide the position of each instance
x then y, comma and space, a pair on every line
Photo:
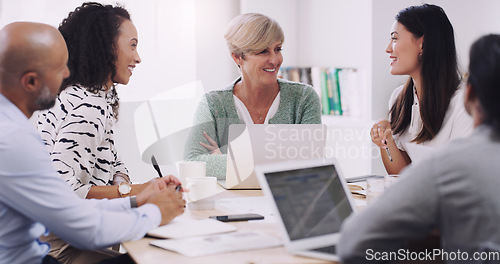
311, 200
181, 227
249, 145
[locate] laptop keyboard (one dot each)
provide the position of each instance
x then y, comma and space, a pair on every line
330, 249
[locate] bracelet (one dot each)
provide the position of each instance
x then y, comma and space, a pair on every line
133, 202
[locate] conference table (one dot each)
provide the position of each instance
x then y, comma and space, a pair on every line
142, 252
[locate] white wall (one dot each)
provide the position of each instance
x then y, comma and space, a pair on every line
167, 34
285, 13
214, 65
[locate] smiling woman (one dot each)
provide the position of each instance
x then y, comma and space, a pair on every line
257, 97
78, 130
429, 109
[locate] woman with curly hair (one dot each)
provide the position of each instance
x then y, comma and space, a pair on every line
78, 130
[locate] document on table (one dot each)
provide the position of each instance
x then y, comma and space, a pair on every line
185, 227
220, 243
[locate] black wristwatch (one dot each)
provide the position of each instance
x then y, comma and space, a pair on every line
133, 202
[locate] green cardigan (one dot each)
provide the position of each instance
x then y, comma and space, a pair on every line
299, 104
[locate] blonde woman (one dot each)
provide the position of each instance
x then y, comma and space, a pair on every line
256, 97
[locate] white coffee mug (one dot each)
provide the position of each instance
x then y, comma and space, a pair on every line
390, 180
191, 169
201, 192
374, 188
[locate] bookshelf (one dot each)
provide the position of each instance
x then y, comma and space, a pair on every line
339, 89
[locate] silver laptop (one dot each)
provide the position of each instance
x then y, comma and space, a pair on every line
311, 200
249, 145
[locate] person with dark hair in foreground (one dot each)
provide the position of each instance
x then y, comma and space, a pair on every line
454, 191
33, 198
428, 110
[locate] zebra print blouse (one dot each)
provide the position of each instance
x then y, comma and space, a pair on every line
78, 132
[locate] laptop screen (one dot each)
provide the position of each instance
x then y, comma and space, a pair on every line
311, 201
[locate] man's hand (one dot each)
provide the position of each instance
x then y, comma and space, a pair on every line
170, 203
154, 186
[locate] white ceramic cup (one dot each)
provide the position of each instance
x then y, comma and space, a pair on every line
390, 180
201, 192
191, 169
374, 188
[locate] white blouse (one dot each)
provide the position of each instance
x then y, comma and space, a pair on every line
78, 133
457, 123
244, 115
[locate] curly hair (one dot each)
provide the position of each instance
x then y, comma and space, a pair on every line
91, 32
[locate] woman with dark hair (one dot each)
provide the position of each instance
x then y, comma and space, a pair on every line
78, 130
428, 109
454, 191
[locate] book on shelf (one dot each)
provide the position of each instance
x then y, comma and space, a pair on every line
337, 88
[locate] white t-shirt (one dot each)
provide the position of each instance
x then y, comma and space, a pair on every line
457, 122
244, 115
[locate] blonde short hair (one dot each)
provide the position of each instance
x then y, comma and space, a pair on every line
252, 33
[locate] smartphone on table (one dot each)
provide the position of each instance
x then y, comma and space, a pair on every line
237, 217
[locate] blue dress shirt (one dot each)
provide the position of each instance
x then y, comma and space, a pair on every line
33, 200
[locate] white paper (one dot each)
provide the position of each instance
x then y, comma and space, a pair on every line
214, 244
360, 203
246, 205
185, 227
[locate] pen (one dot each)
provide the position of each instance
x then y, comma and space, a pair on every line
178, 189
387, 149
155, 165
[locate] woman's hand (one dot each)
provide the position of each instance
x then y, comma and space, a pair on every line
212, 147
381, 133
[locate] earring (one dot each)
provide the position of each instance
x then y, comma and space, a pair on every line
420, 56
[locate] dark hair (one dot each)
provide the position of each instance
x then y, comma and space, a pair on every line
439, 74
484, 67
91, 32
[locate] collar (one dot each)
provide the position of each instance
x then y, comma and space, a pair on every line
11, 110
